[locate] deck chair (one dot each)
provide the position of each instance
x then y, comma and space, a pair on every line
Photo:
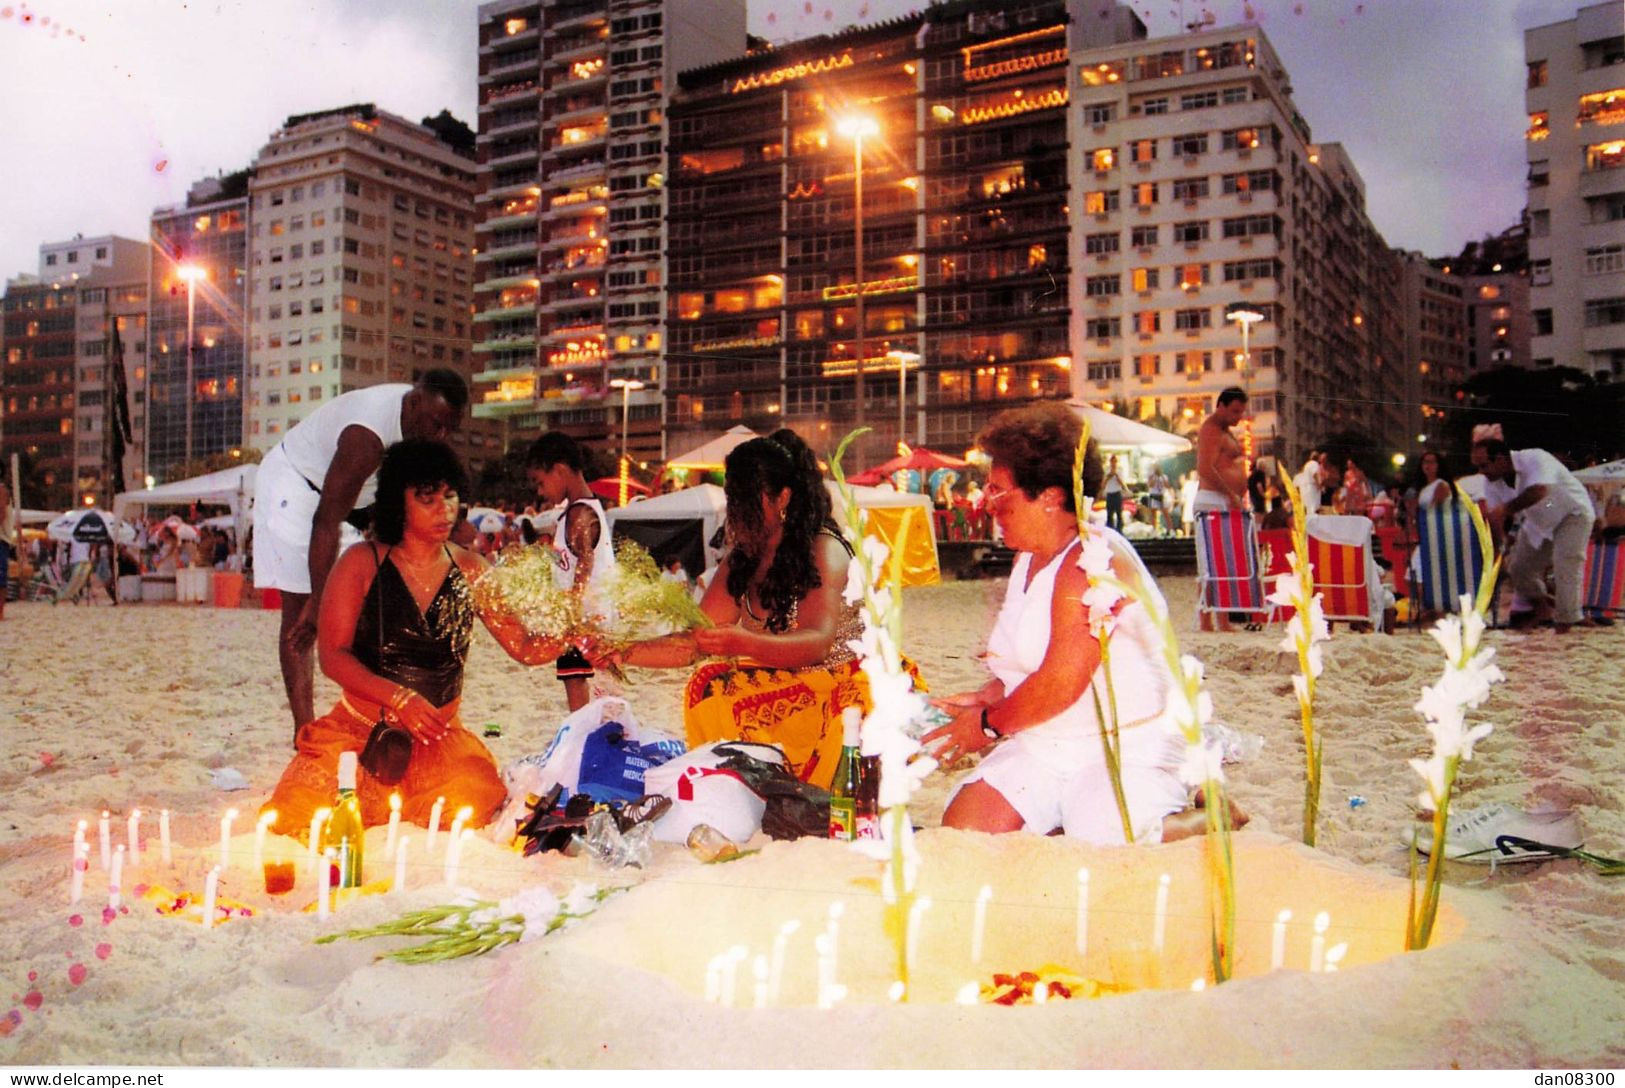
1448, 557
46, 585
1346, 576
78, 586
1227, 578
1604, 577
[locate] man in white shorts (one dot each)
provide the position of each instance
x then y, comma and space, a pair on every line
309, 485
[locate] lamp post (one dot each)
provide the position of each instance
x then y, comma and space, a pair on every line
1245, 316
625, 385
903, 359
855, 127
190, 273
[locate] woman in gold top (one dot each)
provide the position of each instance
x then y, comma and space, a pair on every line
781, 625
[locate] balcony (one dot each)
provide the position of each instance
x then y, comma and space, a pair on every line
525, 372
501, 408
510, 342
499, 283
503, 313
512, 249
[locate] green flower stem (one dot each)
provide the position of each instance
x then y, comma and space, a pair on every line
1419, 926
1306, 703
1111, 739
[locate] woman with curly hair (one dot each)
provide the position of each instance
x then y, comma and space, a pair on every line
393, 632
780, 622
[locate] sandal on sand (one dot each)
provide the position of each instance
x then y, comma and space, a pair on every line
1501, 833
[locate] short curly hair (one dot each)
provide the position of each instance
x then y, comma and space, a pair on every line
408, 464
1038, 444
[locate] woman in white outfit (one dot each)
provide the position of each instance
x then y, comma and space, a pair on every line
1036, 720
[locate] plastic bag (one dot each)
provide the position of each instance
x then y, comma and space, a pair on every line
702, 792
794, 809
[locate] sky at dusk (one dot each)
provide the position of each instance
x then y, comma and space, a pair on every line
117, 107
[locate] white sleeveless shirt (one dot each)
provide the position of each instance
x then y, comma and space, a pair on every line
314, 440
566, 565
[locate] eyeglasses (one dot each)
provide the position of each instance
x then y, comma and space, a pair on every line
993, 494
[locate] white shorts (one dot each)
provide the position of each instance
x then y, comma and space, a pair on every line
1048, 793
1208, 502
284, 509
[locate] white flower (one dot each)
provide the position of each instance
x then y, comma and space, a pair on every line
1101, 600
1432, 771
582, 899
855, 584
1288, 590
1202, 763
537, 906
1447, 633
1095, 557
875, 553
1300, 684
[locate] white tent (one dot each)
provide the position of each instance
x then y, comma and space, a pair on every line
711, 455
680, 523
36, 517
230, 487
1611, 473
1113, 431
891, 513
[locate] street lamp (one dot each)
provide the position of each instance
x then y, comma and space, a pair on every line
904, 360
190, 273
855, 127
1245, 316
625, 385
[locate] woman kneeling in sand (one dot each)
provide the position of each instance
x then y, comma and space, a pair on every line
776, 603
1038, 713
393, 632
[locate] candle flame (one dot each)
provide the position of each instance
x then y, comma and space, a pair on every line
268, 817
394, 802
1322, 921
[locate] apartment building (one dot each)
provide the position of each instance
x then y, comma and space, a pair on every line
111, 362
1200, 195
1436, 348
361, 256
1495, 276
37, 336
197, 321
1576, 147
569, 290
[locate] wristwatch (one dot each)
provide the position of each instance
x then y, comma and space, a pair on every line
987, 727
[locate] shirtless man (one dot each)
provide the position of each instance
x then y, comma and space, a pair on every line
1221, 472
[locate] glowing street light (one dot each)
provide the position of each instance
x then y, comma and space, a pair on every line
855, 127
626, 386
190, 273
1246, 317
904, 360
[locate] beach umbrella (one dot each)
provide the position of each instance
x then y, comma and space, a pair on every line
1113, 431
490, 522
89, 525
713, 453
1612, 472
609, 487
917, 460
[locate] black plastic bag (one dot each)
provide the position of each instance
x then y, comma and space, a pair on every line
795, 809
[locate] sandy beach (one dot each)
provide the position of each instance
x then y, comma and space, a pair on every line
135, 707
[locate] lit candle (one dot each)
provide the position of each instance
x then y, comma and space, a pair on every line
1317, 946
317, 819
1040, 993
730, 973
1198, 985
324, 880
1083, 912
1278, 940
464, 814
775, 978
394, 824
1335, 954
454, 854
225, 838
105, 830
400, 864
133, 832
434, 826
211, 888
267, 818
115, 877
832, 921
713, 977
911, 945
163, 834
79, 835
1159, 924
969, 994
896, 992
979, 924
81, 862
825, 947
758, 970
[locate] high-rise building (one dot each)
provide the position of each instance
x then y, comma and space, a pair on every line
112, 363
1200, 195
38, 338
61, 262
361, 254
1495, 274
1576, 147
197, 285
1436, 357
570, 275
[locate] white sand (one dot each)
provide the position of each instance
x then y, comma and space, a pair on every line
135, 706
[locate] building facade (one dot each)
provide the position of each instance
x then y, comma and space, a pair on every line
570, 274
38, 338
60, 262
111, 363
1576, 147
1436, 349
361, 250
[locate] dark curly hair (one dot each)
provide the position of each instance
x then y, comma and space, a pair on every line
408, 464
1038, 444
766, 466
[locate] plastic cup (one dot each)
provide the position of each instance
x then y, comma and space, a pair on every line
279, 876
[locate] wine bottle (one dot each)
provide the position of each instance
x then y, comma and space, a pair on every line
343, 830
843, 791
866, 823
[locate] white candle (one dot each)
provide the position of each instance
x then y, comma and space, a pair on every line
163, 835
115, 877
758, 970
225, 838
105, 830
464, 814
133, 833
1335, 954
911, 945
317, 819
394, 824
454, 854
1083, 913
979, 924
1040, 993
323, 882
81, 862
79, 834
969, 994
434, 826
1198, 985
775, 977
1317, 946
730, 973
826, 969
1159, 924
267, 818
211, 887
1278, 940
400, 865
713, 977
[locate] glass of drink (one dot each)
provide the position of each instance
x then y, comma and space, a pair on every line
279, 875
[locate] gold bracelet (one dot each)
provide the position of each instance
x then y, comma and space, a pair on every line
400, 697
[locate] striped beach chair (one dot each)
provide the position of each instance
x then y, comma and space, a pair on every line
1227, 578
1605, 577
1448, 558
1342, 579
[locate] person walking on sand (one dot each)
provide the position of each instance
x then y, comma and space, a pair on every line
313, 481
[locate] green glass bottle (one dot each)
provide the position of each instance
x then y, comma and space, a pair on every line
843, 791
343, 830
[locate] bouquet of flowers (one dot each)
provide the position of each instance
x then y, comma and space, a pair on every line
618, 607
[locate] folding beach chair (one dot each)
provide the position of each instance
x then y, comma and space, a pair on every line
1449, 559
1227, 578
1343, 569
1275, 551
1605, 577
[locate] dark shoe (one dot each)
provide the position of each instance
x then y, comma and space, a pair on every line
1522, 621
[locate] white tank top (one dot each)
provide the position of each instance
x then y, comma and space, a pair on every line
603, 558
310, 446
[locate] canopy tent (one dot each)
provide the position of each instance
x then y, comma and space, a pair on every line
1609, 475
1113, 431
608, 488
710, 456
919, 460
679, 524
891, 514
230, 487
36, 517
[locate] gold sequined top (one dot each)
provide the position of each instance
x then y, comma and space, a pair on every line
848, 628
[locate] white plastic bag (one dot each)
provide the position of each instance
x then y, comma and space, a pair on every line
701, 794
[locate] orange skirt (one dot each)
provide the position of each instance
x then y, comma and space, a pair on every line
459, 768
